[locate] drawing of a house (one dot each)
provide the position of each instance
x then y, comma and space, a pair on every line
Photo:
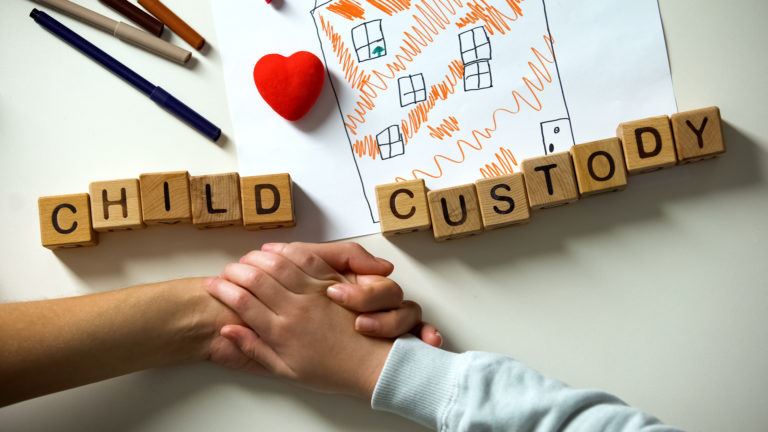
444, 90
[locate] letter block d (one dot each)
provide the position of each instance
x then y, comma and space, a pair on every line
403, 207
65, 221
455, 212
648, 144
267, 201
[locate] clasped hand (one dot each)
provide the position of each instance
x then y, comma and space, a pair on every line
288, 325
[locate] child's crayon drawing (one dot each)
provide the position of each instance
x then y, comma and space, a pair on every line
434, 88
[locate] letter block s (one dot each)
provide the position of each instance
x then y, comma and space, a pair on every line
403, 207
65, 221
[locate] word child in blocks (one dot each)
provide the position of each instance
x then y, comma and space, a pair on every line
65, 221
503, 201
698, 134
550, 180
267, 201
599, 166
648, 144
403, 207
165, 198
455, 212
215, 200
116, 205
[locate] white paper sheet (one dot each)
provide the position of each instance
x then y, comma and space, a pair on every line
445, 90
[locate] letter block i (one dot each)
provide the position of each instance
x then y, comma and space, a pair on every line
215, 200
455, 212
267, 201
116, 205
550, 180
698, 134
65, 221
648, 144
165, 198
403, 207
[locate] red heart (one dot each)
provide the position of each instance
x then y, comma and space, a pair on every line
290, 85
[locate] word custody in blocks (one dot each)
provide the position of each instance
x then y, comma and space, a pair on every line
552, 180
209, 201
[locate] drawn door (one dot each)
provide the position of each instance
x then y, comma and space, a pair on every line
444, 90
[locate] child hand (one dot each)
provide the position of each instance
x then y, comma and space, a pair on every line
295, 331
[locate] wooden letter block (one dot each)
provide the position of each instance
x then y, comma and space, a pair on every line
65, 221
550, 180
116, 205
503, 201
599, 166
455, 212
403, 207
698, 134
165, 198
215, 200
267, 201
648, 144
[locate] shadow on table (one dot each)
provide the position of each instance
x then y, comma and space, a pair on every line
145, 398
643, 200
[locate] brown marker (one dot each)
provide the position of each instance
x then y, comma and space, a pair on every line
176, 24
138, 16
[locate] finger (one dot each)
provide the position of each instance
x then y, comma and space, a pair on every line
224, 352
259, 283
256, 349
343, 257
243, 303
307, 261
370, 294
282, 270
429, 334
390, 324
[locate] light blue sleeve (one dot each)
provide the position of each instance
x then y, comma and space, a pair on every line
478, 391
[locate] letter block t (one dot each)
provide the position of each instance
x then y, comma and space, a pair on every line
215, 200
267, 201
116, 205
65, 221
455, 212
648, 144
550, 180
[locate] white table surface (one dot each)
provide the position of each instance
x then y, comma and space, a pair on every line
657, 294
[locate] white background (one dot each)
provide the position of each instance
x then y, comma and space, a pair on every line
657, 294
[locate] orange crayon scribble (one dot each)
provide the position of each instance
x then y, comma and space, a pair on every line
430, 19
491, 17
390, 7
541, 77
349, 9
366, 147
446, 128
505, 164
354, 75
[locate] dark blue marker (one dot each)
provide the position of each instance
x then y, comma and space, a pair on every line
157, 94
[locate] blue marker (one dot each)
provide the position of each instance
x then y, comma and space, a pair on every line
157, 94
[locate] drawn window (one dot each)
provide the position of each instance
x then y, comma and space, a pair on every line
390, 142
412, 89
477, 76
474, 45
369, 41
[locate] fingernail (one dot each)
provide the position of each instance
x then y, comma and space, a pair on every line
208, 281
439, 337
270, 247
337, 293
366, 324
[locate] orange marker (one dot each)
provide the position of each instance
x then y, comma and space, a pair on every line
176, 24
